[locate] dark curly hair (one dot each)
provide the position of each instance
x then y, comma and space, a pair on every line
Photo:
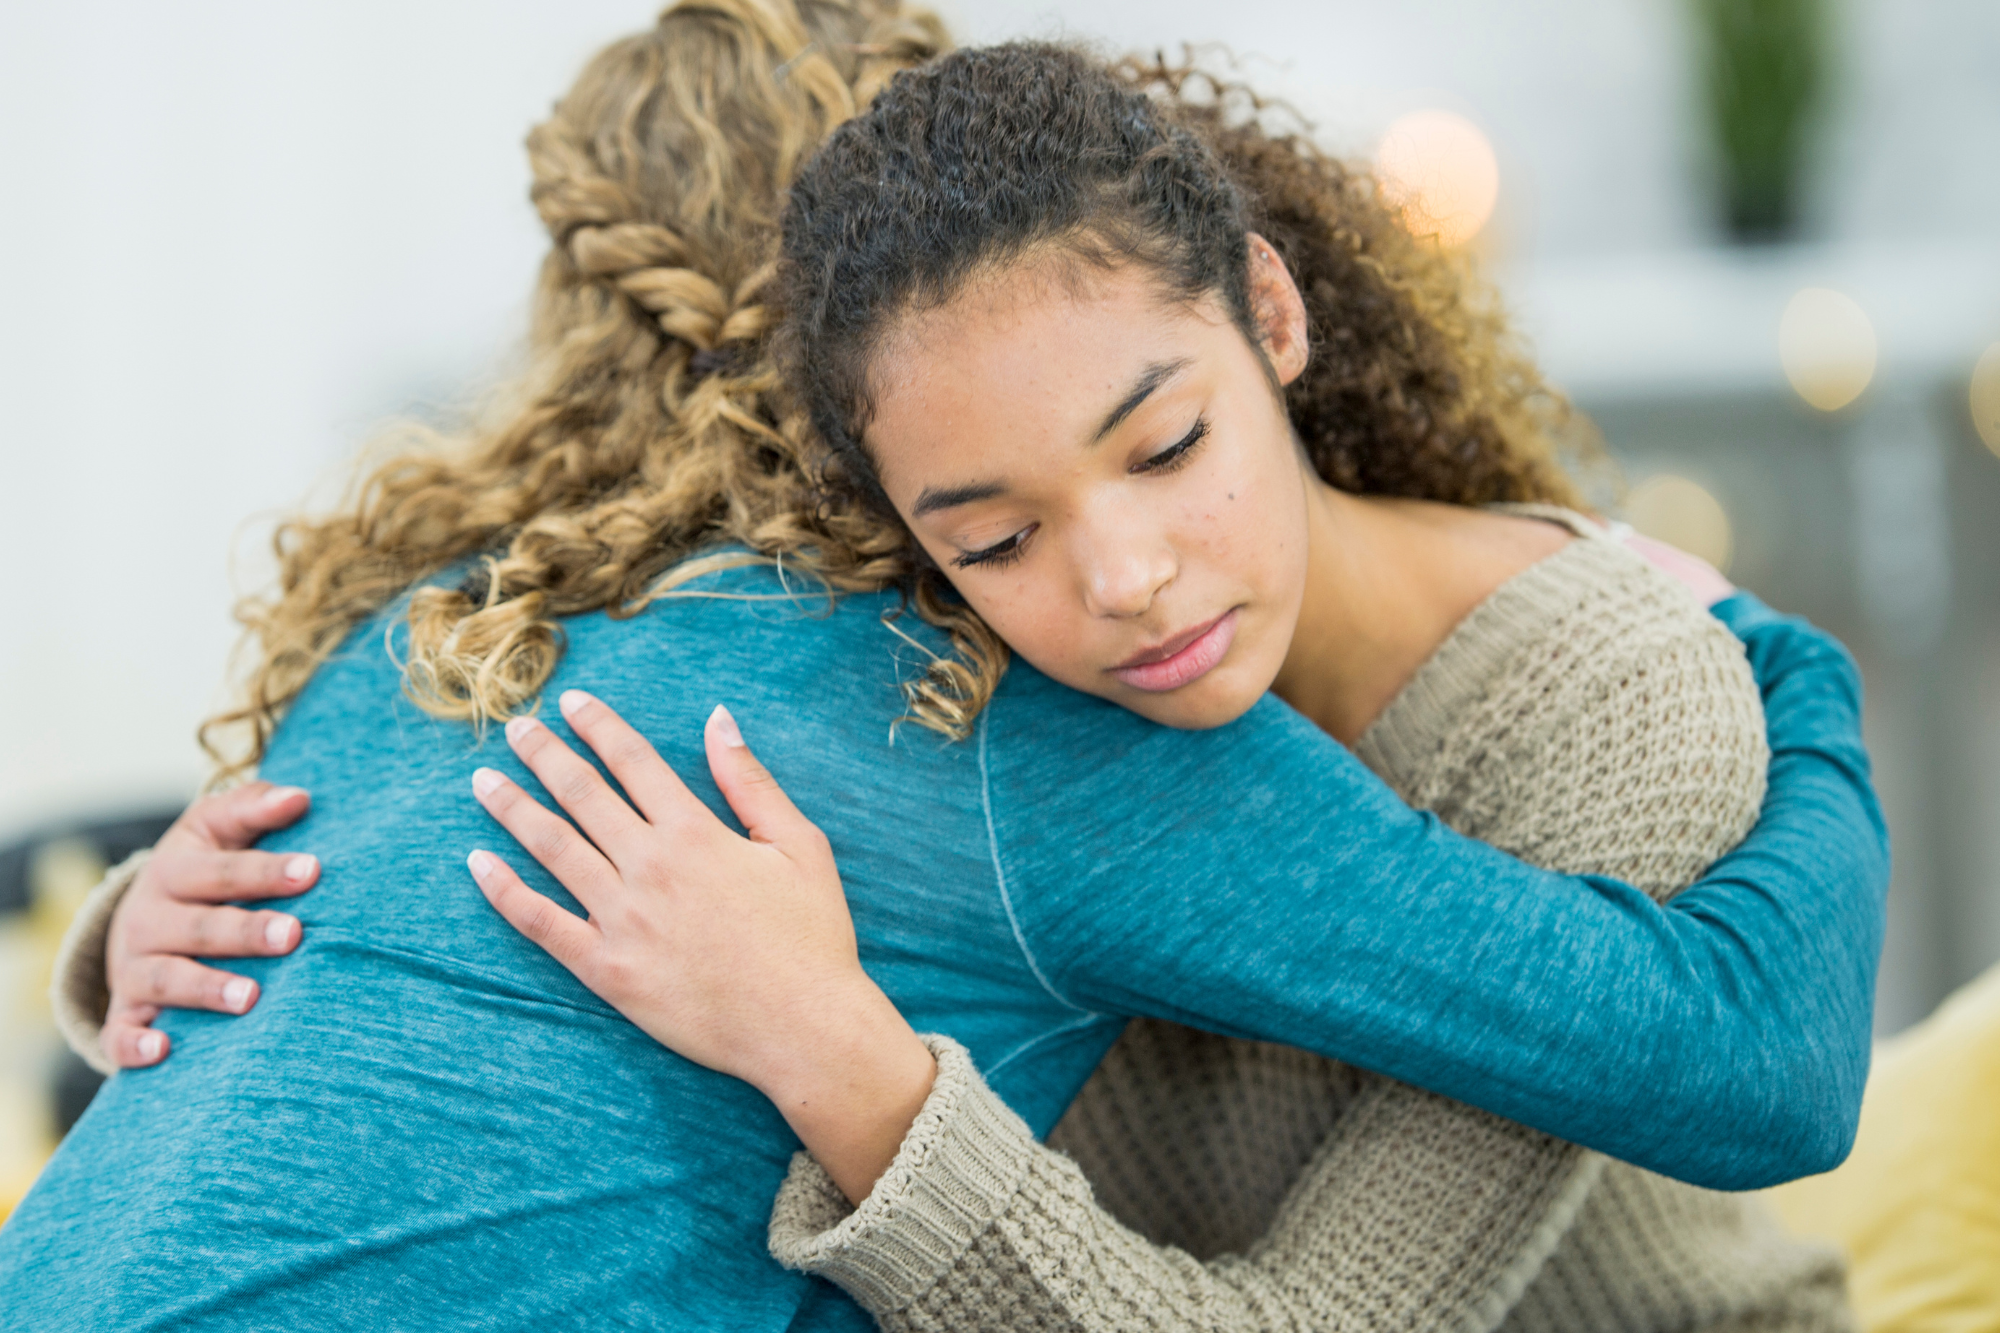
1413, 388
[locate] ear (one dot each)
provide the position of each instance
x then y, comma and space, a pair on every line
1279, 310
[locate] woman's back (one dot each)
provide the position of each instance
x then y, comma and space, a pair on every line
441, 1100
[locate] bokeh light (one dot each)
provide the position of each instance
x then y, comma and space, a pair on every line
1682, 513
1986, 397
1827, 346
1440, 169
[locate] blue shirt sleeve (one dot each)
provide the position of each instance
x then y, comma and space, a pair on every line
1257, 880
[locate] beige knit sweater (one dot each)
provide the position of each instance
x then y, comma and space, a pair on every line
1587, 717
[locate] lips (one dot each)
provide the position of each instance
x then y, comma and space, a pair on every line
1186, 657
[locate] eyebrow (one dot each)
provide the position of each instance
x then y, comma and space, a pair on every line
944, 497
1150, 379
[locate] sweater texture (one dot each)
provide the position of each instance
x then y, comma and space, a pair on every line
1589, 717
77, 990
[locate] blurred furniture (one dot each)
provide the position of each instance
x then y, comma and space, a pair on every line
1917, 1207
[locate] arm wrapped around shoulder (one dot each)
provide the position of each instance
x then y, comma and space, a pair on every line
1589, 718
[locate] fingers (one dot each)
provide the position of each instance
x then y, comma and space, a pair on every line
203, 876
562, 851
238, 817
577, 787
152, 971
648, 779
212, 932
569, 941
132, 1045
169, 981
768, 814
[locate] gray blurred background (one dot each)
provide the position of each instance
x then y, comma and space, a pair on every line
236, 236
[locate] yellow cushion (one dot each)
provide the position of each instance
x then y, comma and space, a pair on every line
1917, 1205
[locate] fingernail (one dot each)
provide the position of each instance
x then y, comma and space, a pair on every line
237, 995
519, 727
481, 864
299, 869
279, 795
571, 701
278, 931
486, 781
725, 727
150, 1046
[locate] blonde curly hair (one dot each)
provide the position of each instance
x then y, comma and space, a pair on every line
651, 422
654, 422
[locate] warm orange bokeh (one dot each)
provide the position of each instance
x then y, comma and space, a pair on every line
1440, 168
1827, 345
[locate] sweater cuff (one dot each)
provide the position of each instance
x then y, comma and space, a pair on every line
79, 991
958, 1169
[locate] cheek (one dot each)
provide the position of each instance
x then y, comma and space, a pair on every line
1248, 521
1029, 608
1038, 616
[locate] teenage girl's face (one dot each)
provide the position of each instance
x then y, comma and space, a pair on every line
1108, 477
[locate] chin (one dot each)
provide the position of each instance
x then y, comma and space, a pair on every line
1201, 705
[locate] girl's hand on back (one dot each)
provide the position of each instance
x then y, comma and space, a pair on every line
174, 912
737, 953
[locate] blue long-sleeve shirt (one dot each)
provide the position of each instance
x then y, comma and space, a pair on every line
1744, 1005
426, 1122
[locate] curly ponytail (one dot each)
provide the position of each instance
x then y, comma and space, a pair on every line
1414, 388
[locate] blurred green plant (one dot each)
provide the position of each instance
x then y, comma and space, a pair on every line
1764, 81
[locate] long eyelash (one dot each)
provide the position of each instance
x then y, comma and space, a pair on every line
1004, 553
997, 556
1174, 455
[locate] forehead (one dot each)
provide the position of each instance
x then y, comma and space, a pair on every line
1032, 352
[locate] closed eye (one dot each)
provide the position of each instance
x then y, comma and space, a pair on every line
997, 555
1178, 453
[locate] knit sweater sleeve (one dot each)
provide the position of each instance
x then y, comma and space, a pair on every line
1642, 759
79, 990
977, 1227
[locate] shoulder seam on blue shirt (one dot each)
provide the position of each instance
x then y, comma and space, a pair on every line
1000, 875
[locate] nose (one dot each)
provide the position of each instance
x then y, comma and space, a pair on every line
1123, 562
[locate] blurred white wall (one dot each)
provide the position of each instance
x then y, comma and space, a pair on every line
234, 235
1585, 102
